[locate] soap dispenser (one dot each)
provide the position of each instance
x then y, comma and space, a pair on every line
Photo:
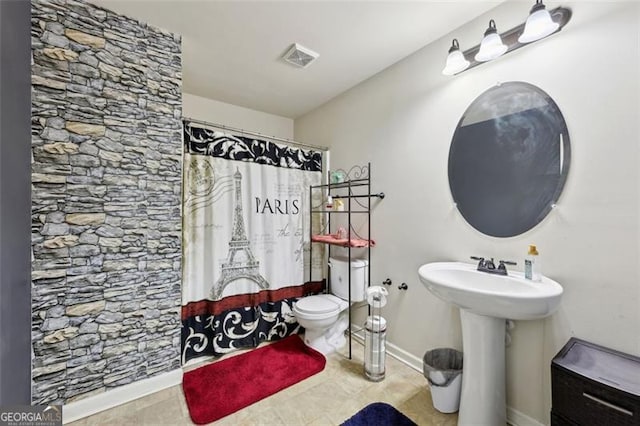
532, 264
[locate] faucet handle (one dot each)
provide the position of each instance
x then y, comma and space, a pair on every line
481, 262
503, 265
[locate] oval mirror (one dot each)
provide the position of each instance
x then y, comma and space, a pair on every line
509, 159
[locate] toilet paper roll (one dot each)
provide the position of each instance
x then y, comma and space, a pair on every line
377, 296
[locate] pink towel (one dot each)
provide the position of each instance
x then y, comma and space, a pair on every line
333, 239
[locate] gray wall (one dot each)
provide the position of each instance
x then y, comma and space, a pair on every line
106, 223
15, 204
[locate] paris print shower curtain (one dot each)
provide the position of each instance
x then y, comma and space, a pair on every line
246, 240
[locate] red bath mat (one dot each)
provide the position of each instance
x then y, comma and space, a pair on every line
222, 388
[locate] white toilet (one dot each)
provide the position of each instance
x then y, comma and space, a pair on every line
325, 317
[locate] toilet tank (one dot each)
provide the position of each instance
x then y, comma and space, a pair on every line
340, 277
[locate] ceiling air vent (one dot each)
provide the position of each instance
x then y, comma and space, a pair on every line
300, 56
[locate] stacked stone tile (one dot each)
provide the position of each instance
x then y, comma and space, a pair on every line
106, 182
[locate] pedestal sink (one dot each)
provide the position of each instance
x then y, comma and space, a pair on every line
485, 301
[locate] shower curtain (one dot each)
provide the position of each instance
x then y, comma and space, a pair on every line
246, 240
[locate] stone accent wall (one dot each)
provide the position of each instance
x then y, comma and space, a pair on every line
106, 182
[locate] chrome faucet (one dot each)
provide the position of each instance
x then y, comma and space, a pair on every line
487, 265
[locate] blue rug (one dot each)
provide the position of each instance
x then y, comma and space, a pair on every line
379, 414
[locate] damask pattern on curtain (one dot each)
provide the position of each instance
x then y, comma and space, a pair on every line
246, 240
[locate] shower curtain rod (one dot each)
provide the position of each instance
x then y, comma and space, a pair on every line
248, 132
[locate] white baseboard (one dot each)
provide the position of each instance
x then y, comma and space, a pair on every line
396, 352
514, 417
94, 404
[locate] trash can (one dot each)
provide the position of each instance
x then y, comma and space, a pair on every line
443, 369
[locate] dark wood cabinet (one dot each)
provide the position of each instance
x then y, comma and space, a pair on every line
593, 385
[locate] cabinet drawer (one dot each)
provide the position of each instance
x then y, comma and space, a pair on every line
594, 385
557, 420
590, 403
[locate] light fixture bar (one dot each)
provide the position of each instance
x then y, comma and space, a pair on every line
561, 15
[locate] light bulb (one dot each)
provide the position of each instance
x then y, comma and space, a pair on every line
491, 46
539, 24
456, 62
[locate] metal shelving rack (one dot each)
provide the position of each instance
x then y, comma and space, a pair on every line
356, 186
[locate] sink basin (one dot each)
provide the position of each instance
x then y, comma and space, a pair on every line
512, 296
485, 301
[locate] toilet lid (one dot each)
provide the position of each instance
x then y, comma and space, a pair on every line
320, 304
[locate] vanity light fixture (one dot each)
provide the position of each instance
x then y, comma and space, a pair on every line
491, 46
539, 24
456, 61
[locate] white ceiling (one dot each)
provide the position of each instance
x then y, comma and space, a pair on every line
232, 49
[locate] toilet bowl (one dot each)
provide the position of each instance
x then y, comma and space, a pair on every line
325, 317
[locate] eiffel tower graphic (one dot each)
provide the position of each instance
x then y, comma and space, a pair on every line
240, 262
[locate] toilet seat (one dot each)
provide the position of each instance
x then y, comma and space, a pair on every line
319, 306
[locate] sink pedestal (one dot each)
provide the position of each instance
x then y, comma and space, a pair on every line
483, 399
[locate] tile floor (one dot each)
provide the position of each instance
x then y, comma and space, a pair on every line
328, 398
